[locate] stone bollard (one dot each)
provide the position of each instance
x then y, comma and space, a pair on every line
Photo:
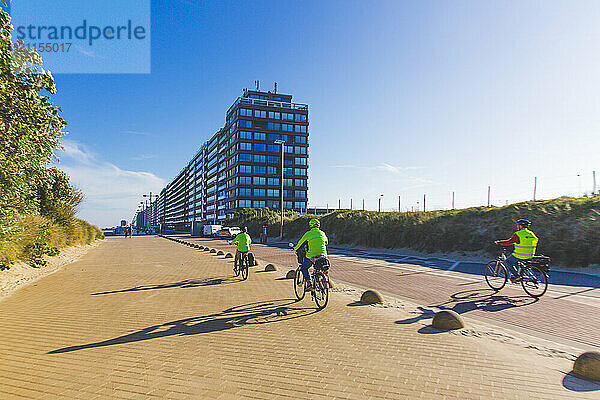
371, 297
587, 366
200, 247
220, 253
291, 274
228, 255
212, 251
206, 249
447, 320
270, 268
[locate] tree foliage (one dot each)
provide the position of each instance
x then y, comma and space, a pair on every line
30, 130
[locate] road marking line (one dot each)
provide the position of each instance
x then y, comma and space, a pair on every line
454, 266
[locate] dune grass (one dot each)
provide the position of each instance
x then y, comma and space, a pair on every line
569, 228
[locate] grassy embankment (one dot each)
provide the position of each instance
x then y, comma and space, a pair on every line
569, 228
32, 236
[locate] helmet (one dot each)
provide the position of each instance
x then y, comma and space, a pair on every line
245, 229
524, 222
314, 223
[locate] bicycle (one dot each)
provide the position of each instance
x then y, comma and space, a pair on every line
319, 279
242, 268
532, 273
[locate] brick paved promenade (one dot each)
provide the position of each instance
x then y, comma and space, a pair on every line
150, 318
566, 313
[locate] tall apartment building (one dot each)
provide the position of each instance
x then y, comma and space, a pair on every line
240, 165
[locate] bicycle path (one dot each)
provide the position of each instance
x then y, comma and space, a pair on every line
568, 313
150, 318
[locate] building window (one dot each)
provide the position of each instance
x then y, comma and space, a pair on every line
300, 194
245, 112
260, 158
245, 124
244, 157
272, 192
245, 135
259, 180
287, 205
273, 159
245, 180
260, 136
244, 192
245, 146
245, 169
299, 171
300, 161
273, 148
258, 204
287, 116
300, 118
271, 170
244, 203
257, 169
272, 136
300, 139
287, 127
259, 192
273, 181
274, 115
288, 171
300, 150
273, 126
289, 149
288, 182
300, 205
301, 128
300, 182
260, 114
261, 147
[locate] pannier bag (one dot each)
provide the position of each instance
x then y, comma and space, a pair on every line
541, 262
321, 263
251, 259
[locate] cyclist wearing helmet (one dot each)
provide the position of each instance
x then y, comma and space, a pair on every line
525, 243
243, 241
317, 246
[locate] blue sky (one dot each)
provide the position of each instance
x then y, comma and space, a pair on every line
406, 98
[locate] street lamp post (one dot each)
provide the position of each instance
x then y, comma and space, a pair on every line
281, 142
380, 196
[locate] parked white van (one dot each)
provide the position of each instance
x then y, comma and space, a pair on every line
210, 230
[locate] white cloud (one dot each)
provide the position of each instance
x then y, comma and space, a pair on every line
111, 193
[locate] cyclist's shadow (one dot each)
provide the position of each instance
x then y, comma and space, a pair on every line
253, 313
485, 300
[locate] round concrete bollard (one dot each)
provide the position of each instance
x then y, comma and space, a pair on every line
228, 255
212, 251
447, 320
371, 297
200, 247
290, 274
220, 253
270, 268
587, 366
206, 249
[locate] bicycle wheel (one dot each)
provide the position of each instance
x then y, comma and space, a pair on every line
496, 275
244, 268
321, 292
535, 282
299, 284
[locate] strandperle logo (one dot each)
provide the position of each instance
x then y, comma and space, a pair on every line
74, 36
85, 31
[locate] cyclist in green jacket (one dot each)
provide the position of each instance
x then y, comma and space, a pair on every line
317, 246
243, 241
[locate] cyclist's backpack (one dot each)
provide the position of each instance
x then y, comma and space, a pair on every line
251, 259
